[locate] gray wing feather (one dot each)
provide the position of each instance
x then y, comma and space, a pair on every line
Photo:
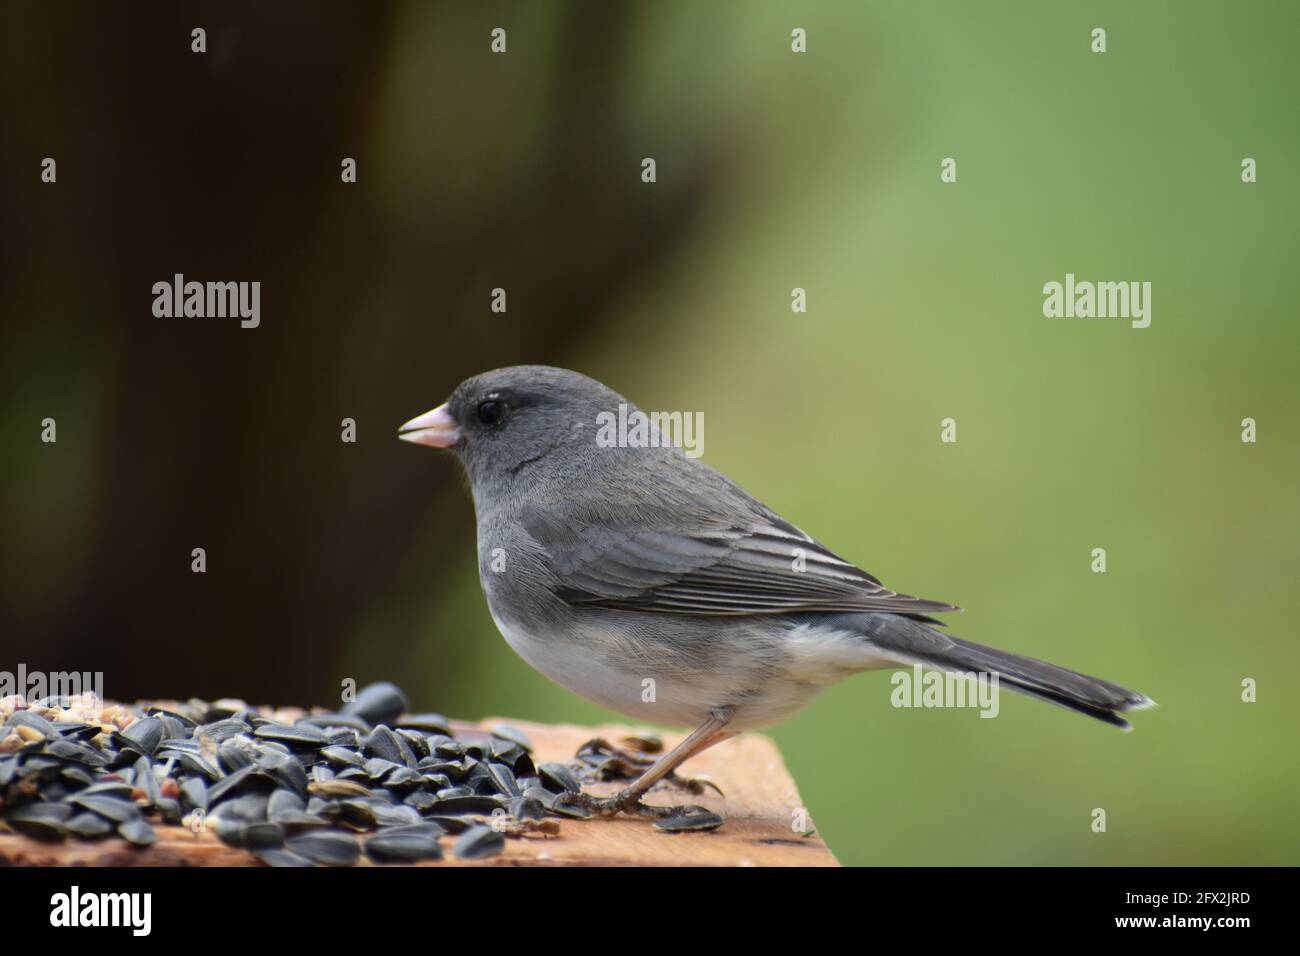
709, 569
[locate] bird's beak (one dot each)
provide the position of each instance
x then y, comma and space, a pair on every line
436, 428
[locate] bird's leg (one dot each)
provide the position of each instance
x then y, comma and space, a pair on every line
711, 732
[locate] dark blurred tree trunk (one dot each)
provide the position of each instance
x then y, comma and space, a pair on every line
225, 166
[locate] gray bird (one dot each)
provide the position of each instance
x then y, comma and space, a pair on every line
650, 583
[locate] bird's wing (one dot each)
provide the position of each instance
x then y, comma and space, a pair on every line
763, 565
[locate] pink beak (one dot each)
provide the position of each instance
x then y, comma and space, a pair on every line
436, 428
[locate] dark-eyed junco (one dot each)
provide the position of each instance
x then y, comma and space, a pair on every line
646, 581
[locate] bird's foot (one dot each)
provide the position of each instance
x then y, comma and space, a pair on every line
617, 763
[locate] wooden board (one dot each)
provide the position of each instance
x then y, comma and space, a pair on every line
760, 809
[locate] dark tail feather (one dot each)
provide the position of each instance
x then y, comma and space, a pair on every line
915, 643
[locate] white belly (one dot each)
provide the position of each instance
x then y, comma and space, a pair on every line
605, 670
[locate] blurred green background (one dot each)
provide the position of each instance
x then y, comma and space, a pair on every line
775, 171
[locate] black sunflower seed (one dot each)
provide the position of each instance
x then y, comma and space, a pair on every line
332, 723
169, 810
479, 842
109, 788
75, 775
263, 836
281, 858
143, 736
504, 779
449, 823
296, 735
88, 826
234, 755
477, 803
342, 756
379, 703
284, 804
417, 741
40, 821
558, 777
384, 742
109, 807
403, 779
420, 801
25, 718
514, 735
221, 730
326, 847
427, 723
404, 845
527, 808
249, 808
138, 831
687, 819
75, 730
85, 754
146, 782
241, 779
337, 788
388, 815
195, 793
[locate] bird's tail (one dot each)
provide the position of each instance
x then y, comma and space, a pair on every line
913, 642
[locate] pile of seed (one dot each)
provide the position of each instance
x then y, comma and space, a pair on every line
292, 789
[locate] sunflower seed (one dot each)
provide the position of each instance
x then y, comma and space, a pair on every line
82, 753
40, 821
337, 788
235, 754
514, 735
194, 792
111, 808
137, 831
404, 845
25, 718
428, 723
88, 826
527, 808
284, 804
332, 723
479, 842
689, 818
379, 703
143, 736
280, 857
297, 735
326, 847
342, 756
504, 779
384, 742
263, 836
558, 777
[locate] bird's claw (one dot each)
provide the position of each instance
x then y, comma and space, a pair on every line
694, 785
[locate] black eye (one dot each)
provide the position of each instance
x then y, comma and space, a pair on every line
489, 412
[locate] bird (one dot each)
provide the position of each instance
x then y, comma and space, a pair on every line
643, 579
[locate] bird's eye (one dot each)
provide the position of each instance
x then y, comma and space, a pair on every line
489, 411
